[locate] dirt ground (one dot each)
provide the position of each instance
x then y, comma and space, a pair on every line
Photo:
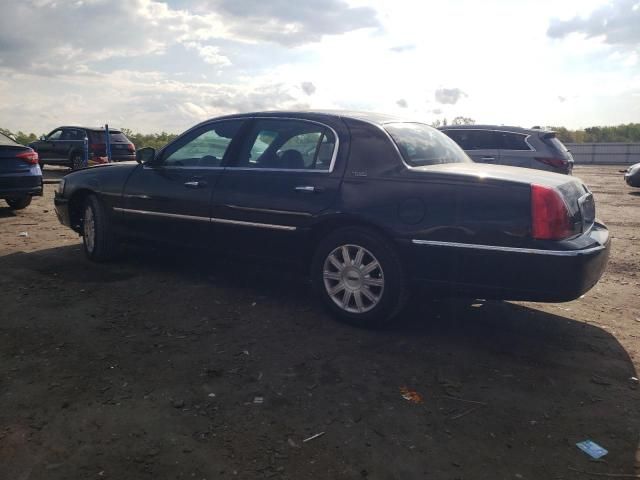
179, 365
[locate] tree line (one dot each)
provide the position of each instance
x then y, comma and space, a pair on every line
626, 133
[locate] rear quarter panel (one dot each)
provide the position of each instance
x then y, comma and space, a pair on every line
431, 203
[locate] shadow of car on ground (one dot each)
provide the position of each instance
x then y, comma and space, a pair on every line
169, 364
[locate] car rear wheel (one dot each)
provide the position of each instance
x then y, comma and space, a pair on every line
97, 234
359, 277
19, 203
76, 161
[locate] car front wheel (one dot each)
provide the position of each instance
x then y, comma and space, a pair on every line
97, 236
19, 203
359, 277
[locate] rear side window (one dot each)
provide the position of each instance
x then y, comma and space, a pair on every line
288, 145
422, 145
475, 139
114, 137
513, 141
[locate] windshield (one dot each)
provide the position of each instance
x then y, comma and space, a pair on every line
421, 145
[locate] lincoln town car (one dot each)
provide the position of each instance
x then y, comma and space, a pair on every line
371, 205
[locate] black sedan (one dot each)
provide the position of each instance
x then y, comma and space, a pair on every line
20, 175
372, 204
632, 175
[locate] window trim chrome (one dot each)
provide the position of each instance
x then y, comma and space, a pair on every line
179, 167
334, 156
497, 248
177, 216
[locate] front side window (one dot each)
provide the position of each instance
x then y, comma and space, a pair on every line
512, 141
288, 145
55, 135
422, 145
71, 134
206, 149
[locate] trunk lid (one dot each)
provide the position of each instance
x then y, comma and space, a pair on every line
576, 196
9, 163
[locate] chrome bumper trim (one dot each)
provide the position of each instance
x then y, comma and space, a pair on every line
495, 248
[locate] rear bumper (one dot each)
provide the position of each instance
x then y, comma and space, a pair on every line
14, 186
512, 273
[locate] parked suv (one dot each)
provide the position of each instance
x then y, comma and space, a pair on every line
64, 145
515, 146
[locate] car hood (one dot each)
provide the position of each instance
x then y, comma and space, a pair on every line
483, 171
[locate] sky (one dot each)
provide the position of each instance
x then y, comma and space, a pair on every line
153, 65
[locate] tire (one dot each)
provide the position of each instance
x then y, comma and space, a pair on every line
19, 203
369, 289
76, 161
98, 239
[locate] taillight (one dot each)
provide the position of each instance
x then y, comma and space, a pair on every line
553, 162
131, 147
29, 156
549, 214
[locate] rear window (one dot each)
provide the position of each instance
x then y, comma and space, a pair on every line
5, 140
114, 137
557, 146
422, 145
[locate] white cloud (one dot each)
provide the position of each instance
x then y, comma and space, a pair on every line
617, 23
308, 88
449, 96
166, 67
292, 23
209, 53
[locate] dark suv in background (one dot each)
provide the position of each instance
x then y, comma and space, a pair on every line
515, 146
64, 145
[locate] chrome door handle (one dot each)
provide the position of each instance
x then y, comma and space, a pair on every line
308, 189
195, 184
487, 158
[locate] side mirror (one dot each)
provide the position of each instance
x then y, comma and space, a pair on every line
145, 155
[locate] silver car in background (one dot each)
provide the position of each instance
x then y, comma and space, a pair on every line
515, 146
632, 175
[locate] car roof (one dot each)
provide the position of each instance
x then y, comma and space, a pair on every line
502, 128
369, 117
93, 129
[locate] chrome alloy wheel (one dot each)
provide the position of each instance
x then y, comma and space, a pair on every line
89, 229
353, 278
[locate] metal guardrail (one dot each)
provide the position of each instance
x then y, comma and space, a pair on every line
605, 153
